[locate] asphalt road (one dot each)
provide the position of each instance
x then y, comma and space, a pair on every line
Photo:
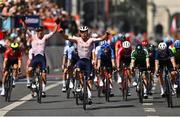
56, 103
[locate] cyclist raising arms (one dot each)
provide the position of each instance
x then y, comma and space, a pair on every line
38, 42
84, 48
12, 57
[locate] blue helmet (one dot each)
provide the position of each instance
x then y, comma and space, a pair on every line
168, 40
177, 44
105, 46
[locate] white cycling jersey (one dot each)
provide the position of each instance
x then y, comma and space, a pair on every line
84, 48
38, 45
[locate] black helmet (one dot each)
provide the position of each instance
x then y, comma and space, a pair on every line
151, 47
123, 38
139, 48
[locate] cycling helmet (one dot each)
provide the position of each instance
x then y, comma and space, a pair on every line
177, 44
126, 44
169, 41
139, 48
162, 46
83, 28
151, 47
14, 46
123, 38
144, 43
105, 46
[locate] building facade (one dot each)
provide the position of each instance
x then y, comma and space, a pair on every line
160, 14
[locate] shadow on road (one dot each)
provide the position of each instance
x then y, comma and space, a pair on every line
110, 107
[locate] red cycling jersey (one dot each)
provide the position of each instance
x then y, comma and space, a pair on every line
9, 54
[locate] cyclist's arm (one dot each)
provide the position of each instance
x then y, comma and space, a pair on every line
6, 54
156, 62
48, 36
104, 37
99, 59
19, 60
172, 58
118, 57
112, 58
4, 63
70, 38
133, 59
147, 59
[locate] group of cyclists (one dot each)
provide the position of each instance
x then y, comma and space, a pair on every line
90, 52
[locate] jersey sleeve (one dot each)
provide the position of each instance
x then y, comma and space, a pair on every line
99, 54
112, 54
133, 55
171, 54
156, 55
147, 53
6, 54
48, 36
70, 52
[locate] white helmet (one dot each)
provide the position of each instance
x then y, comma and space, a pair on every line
94, 35
83, 28
126, 44
162, 46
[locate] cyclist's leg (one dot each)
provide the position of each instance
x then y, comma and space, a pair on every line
27, 73
42, 60
8, 64
3, 82
15, 73
64, 68
160, 78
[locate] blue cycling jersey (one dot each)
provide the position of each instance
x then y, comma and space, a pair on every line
163, 55
110, 55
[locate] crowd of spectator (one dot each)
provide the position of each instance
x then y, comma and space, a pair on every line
42, 8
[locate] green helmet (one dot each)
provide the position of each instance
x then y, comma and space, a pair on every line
123, 38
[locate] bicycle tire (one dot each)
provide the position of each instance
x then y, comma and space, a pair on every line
125, 86
10, 82
99, 91
107, 89
6, 90
39, 89
141, 89
178, 82
84, 93
168, 92
149, 83
67, 88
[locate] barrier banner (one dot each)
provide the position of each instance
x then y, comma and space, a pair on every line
31, 21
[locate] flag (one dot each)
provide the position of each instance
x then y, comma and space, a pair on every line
173, 25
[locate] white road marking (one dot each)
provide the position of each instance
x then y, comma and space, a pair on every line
147, 104
5, 110
149, 110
